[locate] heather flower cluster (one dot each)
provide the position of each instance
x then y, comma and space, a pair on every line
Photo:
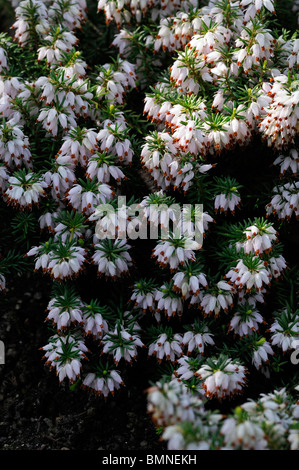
268, 423
193, 105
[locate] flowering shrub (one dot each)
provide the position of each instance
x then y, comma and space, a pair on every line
194, 105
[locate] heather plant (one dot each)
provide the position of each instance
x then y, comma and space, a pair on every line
109, 124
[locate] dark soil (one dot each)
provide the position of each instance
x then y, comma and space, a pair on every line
37, 413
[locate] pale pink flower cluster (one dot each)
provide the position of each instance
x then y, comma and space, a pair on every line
85, 200
122, 11
166, 347
261, 424
14, 146
57, 44
280, 126
168, 302
189, 286
225, 382
197, 341
170, 253
216, 301
247, 434
225, 203
246, 326
261, 354
62, 317
21, 26
290, 162
25, 192
71, 14
112, 343
242, 276
112, 138
258, 240
109, 264
170, 402
114, 81
284, 335
285, 201
3, 59
70, 367
176, 31
60, 266
103, 386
